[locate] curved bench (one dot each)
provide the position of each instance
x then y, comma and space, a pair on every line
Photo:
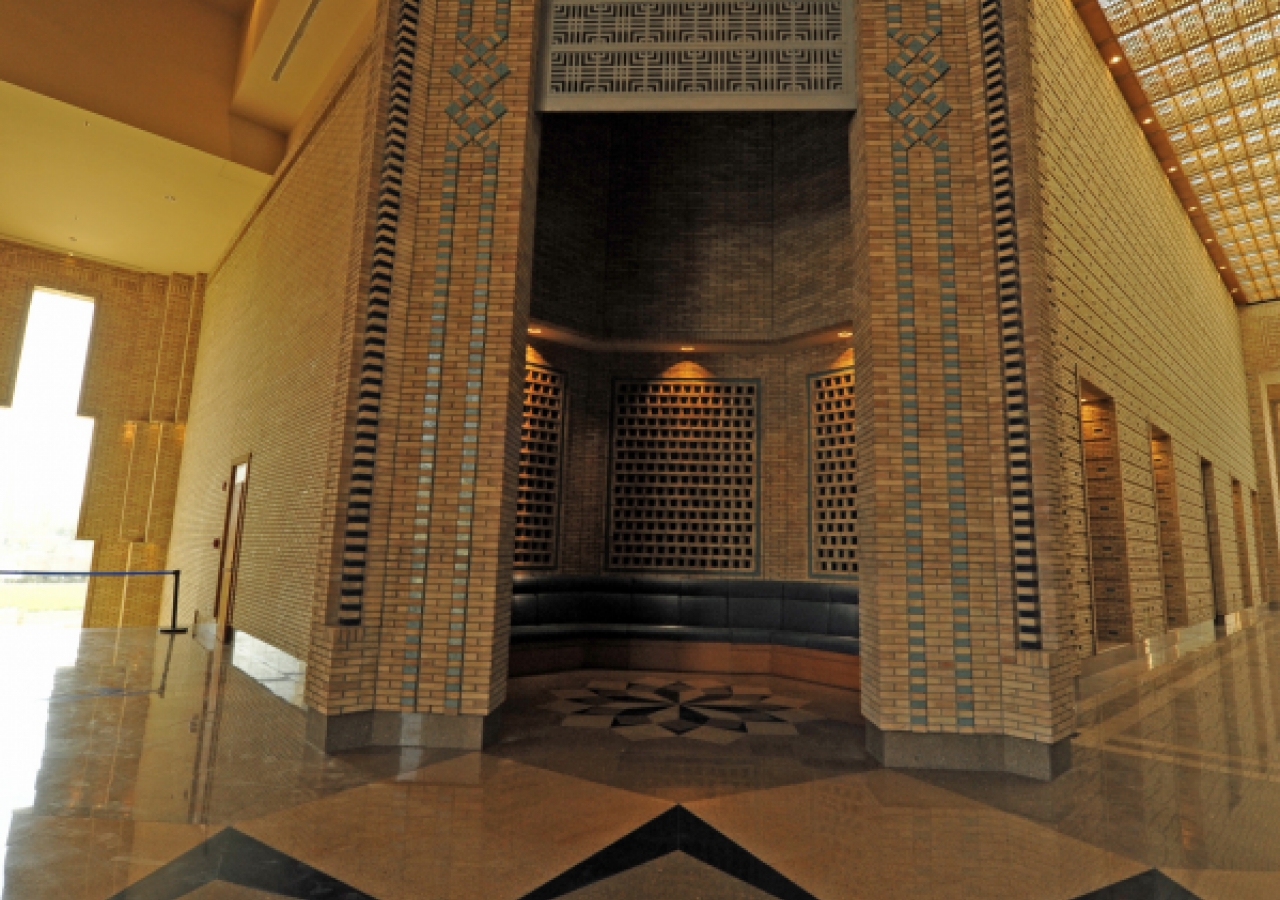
803, 629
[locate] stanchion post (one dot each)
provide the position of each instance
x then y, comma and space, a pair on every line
173, 623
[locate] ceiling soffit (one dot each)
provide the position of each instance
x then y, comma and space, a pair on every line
1204, 81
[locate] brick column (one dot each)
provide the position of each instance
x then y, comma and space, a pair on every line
962, 661
417, 625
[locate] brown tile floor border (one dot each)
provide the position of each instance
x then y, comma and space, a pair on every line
1216, 884
75, 858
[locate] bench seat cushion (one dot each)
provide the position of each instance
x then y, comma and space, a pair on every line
812, 615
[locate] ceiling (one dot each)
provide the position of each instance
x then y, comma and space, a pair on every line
111, 109
290, 50
1210, 72
80, 182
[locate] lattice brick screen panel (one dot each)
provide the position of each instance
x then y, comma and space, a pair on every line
538, 493
684, 480
675, 55
833, 488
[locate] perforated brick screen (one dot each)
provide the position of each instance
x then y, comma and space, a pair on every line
538, 495
833, 488
684, 478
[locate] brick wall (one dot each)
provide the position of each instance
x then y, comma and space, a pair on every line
1138, 311
783, 489
271, 383
137, 385
694, 227
1260, 333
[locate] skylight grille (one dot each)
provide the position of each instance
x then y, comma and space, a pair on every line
1211, 69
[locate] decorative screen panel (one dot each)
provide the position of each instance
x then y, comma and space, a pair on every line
676, 55
833, 488
684, 481
538, 493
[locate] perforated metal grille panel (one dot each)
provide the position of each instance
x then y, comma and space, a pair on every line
684, 483
833, 488
538, 494
672, 55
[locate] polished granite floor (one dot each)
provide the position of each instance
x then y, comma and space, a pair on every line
139, 766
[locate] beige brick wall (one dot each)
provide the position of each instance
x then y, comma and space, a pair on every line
271, 383
1260, 332
1140, 313
687, 227
137, 384
783, 489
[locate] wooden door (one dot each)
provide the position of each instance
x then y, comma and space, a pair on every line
229, 565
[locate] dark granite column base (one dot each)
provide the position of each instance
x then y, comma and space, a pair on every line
384, 728
969, 753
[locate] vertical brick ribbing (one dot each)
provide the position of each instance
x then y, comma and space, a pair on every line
355, 546
1017, 421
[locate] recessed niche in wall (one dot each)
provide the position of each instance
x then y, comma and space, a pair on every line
833, 489
1169, 529
1108, 541
683, 483
538, 493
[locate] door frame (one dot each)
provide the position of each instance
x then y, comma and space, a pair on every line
223, 617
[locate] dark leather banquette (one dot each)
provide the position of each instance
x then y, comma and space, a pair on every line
806, 614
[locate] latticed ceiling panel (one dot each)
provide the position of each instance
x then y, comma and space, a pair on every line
1211, 71
679, 55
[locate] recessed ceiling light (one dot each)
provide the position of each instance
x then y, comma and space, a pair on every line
1115, 59
686, 348
1147, 121
1173, 168
1208, 240
1223, 268
535, 330
845, 334
1193, 208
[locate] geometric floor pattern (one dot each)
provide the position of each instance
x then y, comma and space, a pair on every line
643, 709
675, 831
1150, 885
233, 858
627, 785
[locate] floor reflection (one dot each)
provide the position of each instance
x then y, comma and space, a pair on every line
177, 768
29, 663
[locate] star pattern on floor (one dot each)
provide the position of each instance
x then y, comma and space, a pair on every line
653, 708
